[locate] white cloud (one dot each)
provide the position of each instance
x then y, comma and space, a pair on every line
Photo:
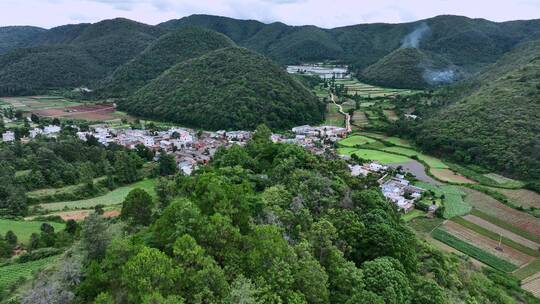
326, 13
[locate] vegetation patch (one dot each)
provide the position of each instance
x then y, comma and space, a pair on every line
13, 273
112, 198
528, 270
473, 251
505, 225
356, 140
450, 176
380, 156
23, 229
431, 161
454, 205
412, 215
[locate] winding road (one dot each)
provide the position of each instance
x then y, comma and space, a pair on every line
347, 116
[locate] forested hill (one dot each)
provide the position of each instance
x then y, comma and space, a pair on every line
17, 36
231, 88
265, 223
71, 56
175, 47
458, 43
496, 120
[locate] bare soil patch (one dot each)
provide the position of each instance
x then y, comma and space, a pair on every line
493, 207
514, 237
507, 253
525, 198
91, 112
448, 175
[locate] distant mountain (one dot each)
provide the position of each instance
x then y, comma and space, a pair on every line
12, 37
231, 88
496, 120
457, 42
174, 47
71, 56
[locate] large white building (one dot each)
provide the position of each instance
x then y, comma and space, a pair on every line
8, 136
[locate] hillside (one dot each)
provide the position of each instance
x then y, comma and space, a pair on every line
71, 56
409, 68
497, 123
231, 88
12, 37
454, 41
171, 48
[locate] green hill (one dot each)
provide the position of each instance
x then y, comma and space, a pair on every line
231, 88
171, 48
12, 37
497, 122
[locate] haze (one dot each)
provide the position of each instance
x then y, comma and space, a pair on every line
50, 13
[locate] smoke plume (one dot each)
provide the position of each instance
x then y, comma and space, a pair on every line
438, 77
412, 40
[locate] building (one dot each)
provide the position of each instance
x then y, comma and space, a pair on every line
8, 136
51, 129
35, 132
401, 193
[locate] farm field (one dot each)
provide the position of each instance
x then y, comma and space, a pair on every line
79, 215
23, 229
391, 115
521, 197
531, 270
454, 205
500, 231
473, 251
333, 117
354, 87
360, 119
356, 140
412, 215
91, 112
490, 206
431, 161
40, 193
450, 176
532, 285
112, 198
32, 103
507, 253
504, 181
10, 274
376, 155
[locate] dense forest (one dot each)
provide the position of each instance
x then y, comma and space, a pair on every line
267, 223
168, 50
231, 88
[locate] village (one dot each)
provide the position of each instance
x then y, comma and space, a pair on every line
192, 149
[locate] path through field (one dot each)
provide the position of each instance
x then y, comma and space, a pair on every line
347, 116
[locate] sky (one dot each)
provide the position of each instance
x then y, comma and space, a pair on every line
324, 13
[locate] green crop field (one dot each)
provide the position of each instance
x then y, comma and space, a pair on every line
376, 155
112, 198
356, 140
473, 251
333, 117
454, 205
412, 215
528, 270
10, 274
37, 103
431, 161
23, 229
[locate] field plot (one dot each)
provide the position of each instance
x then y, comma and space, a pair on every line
450, 176
333, 117
49, 192
92, 112
391, 115
380, 156
112, 198
355, 87
10, 274
507, 253
532, 285
492, 207
23, 229
431, 161
500, 231
356, 140
473, 251
504, 181
521, 197
32, 103
454, 205
360, 119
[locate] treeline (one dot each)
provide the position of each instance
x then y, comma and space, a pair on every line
45, 163
268, 223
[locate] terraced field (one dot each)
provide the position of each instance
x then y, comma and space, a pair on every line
11, 274
333, 117
23, 229
391, 115
380, 156
355, 87
521, 197
431, 161
450, 176
356, 140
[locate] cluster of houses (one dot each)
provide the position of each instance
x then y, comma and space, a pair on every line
315, 139
49, 131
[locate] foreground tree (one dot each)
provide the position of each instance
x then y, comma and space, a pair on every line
137, 207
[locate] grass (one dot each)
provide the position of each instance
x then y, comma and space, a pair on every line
55, 191
333, 117
504, 181
23, 229
495, 236
412, 215
528, 270
112, 198
380, 156
482, 177
424, 224
356, 140
12, 273
473, 251
454, 205
505, 225
431, 161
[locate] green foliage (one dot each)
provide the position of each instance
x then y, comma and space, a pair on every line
473, 251
11, 274
232, 88
137, 207
166, 164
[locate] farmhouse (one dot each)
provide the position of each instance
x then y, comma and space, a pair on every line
8, 136
400, 192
